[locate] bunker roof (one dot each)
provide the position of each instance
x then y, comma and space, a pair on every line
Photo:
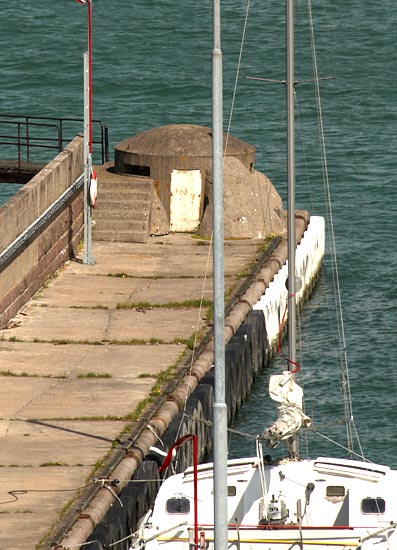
180, 139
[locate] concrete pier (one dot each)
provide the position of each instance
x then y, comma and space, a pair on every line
80, 357
96, 364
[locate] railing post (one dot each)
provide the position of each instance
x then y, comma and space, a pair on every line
105, 142
27, 140
27, 124
19, 146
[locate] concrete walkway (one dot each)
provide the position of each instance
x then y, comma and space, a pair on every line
80, 357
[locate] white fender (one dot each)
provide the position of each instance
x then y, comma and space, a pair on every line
93, 190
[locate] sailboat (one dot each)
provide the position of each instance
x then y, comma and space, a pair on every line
258, 502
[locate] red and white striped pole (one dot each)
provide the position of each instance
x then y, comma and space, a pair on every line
89, 48
90, 181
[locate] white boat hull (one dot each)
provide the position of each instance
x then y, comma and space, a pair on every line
317, 504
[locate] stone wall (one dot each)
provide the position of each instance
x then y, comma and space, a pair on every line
27, 269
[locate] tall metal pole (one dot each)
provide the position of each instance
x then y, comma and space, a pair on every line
220, 411
290, 85
87, 254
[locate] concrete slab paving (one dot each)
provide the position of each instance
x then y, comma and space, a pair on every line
111, 291
87, 398
49, 324
163, 324
68, 443
59, 324
68, 360
166, 256
31, 499
32, 483
66, 389
34, 529
16, 393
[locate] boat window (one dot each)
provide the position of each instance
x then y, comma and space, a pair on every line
178, 505
335, 491
373, 506
231, 491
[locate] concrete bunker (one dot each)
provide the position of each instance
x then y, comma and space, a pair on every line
176, 160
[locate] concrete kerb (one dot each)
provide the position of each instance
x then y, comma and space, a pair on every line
159, 421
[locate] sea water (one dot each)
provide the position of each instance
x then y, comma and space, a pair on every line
152, 67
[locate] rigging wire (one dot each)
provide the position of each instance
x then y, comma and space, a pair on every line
211, 240
242, 43
199, 316
262, 198
228, 131
349, 449
237, 74
350, 426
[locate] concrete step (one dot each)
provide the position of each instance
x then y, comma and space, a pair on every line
136, 212
127, 183
124, 194
127, 204
121, 225
123, 209
120, 236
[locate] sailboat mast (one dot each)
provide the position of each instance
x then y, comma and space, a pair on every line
220, 411
290, 86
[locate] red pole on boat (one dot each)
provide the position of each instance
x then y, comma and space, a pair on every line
166, 463
195, 453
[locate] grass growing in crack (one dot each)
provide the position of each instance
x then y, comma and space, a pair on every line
156, 341
27, 375
192, 341
202, 238
267, 241
246, 272
210, 313
10, 339
168, 305
52, 463
261, 248
119, 275
65, 342
107, 418
151, 277
163, 377
66, 507
139, 409
203, 243
95, 375
189, 342
98, 306
18, 374
137, 342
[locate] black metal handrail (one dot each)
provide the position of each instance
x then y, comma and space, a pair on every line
35, 132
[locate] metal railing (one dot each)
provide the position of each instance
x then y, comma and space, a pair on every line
30, 134
15, 248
